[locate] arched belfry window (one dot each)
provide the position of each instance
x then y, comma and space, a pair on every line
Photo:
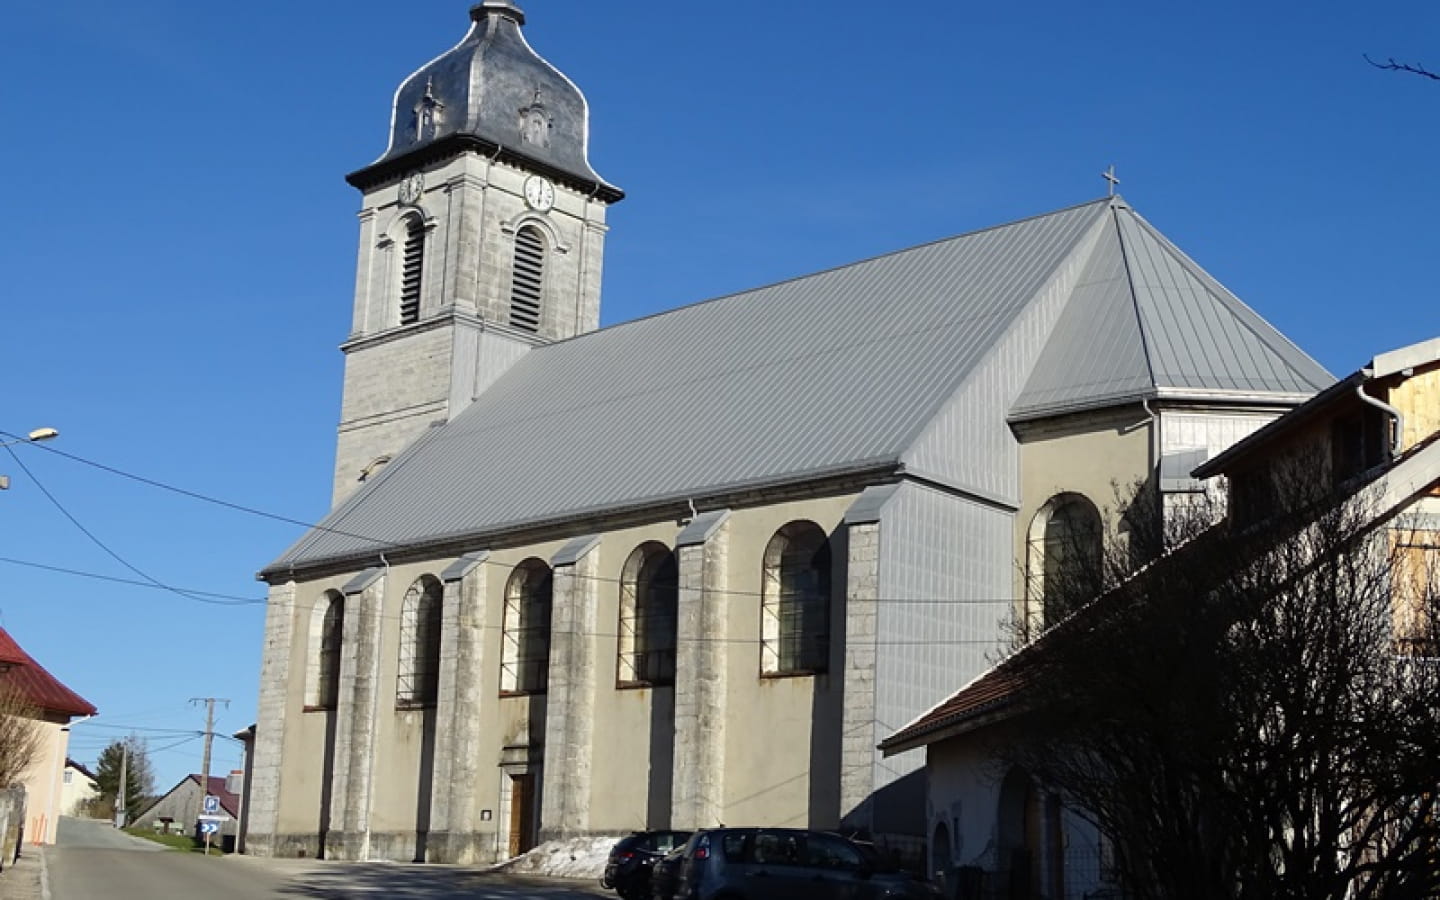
795, 606
525, 641
649, 606
1063, 559
418, 674
527, 280
327, 629
412, 270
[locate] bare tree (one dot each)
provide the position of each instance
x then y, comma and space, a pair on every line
1242, 718
1413, 68
19, 735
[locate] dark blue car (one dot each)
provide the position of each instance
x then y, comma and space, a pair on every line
783, 864
627, 871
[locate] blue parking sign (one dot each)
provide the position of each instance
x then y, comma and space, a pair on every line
211, 804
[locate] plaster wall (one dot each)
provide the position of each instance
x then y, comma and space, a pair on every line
1100, 455
297, 787
791, 777
44, 779
76, 791
782, 751
634, 735
966, 779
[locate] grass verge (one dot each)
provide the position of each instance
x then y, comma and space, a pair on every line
176, 841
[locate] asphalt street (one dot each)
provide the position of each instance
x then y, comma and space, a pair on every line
92, 860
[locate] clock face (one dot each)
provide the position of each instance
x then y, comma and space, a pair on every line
539, 193
411, 187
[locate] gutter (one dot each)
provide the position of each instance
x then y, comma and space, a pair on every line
1397, 433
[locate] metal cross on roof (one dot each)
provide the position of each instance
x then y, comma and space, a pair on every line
1109, 175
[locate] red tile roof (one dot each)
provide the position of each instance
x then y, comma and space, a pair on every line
991, 694
22, 674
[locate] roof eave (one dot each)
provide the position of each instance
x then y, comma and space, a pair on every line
1210, 396
972, 721
718, 497
392, 167
1298, 416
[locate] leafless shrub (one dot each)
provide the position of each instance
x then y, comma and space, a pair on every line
19, 735
1253, 714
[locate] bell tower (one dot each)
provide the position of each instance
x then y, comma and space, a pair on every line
482, 231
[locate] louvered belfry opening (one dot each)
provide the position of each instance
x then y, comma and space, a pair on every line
527, 285
410, 272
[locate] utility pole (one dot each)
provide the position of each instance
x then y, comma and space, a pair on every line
120, 797
209, 737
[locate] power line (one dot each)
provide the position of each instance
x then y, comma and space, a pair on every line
190, 593
136, 728
240, 600
55, 501
313, 526
204, 498
230, 599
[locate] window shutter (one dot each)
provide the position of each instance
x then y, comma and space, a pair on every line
410, 272
528, 280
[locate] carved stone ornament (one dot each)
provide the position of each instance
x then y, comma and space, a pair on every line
411, 187
535, 123
429, 113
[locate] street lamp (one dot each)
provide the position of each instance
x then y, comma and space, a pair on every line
34, 437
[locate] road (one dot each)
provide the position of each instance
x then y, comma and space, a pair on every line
91, 859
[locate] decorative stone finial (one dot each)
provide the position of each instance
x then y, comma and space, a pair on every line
506, 8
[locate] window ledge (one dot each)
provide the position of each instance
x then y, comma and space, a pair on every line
792, 673
642, 685
504, 694
405, 705
311, 709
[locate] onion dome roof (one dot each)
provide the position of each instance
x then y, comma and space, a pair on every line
494, 93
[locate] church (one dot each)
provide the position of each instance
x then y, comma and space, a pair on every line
692, 569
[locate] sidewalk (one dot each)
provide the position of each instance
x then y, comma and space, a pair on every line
21, 880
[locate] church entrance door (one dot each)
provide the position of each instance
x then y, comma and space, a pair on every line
522, 813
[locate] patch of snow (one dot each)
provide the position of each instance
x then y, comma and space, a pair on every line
581, 857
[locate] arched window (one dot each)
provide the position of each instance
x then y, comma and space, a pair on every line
649, 603
525, 654
418, 678
327, 628
1062, 560
795, 614
527, 281
412, 267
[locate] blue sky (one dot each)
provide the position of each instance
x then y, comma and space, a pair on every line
178, 243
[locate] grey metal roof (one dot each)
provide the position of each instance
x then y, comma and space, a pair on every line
492, 86
1147, 320
834, 372
824, 373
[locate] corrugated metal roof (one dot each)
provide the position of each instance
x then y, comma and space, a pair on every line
1147, 318
828, 373
813, 375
